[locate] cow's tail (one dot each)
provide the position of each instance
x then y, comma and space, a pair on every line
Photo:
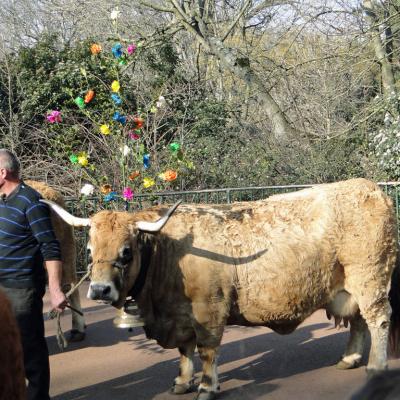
394, 299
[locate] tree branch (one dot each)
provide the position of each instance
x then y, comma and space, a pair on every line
235, 21
156, 7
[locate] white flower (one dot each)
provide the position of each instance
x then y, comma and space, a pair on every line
87, 189
115, 14
160, 102
388, 119
125, 150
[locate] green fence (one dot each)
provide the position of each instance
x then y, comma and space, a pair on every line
88, 206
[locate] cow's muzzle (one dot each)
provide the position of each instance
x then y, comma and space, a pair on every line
102, 291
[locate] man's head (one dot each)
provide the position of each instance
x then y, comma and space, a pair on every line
9, 167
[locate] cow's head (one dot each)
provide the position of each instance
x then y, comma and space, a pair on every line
114, 248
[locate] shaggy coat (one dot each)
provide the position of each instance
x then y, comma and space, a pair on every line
265, 263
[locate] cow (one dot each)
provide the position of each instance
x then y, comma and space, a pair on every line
270, 262
12, 374
65, 235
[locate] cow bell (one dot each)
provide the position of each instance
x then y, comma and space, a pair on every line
128, 316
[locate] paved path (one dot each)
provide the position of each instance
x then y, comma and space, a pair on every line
254, 363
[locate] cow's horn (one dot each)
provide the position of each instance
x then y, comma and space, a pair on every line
146, 226
66, 216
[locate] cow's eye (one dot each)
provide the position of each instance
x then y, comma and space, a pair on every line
89, 254
126, 255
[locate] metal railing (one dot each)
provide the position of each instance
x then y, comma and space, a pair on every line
87, 206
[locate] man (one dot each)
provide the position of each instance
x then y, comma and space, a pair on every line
27, 242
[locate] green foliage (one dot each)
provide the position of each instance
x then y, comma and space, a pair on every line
385, 139
219, 147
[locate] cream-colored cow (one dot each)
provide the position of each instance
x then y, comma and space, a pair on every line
265, 263
65, 235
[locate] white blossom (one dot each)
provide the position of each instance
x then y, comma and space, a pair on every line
160, 102
87, 189
388, 119
115, 14
125, 150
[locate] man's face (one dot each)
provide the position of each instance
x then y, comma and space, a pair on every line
3, 174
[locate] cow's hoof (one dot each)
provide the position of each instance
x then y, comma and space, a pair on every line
181, 388
76, 336
345, 365
204, 395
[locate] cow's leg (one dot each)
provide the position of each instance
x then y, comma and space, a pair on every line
378, 324
374, 306
355, 345
78, 321
183, 382
208, 386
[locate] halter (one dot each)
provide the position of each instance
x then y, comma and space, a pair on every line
141, 277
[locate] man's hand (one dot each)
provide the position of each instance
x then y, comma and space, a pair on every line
57, 299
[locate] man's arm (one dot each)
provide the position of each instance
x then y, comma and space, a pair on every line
57, 297
38, 215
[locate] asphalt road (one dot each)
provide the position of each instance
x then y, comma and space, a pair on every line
254, 363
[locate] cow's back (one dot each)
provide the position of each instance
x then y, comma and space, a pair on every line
282, 258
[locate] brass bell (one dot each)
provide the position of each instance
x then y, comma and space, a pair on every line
128, 317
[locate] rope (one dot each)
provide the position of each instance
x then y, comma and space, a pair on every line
61, 340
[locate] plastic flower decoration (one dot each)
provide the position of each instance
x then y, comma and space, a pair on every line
116, 99
87, 189
174, 147
80, 102
110, 196
127, 193
131, 48
117, 50
133, 175
95, 48
119, 118
89, 96
138, 122
106, 188
161, 102
105, 129
148, 182
83, 159
115, 14
169, 175
73, 158
54, 117
123, 60
125, 150
133, 135
115, 86
146, 161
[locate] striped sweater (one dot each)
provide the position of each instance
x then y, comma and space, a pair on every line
26, 239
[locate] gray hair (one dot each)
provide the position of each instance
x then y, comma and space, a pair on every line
10, 162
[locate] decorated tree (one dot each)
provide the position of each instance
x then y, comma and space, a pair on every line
117, 140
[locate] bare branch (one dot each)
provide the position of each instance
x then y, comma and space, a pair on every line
156, 7
235, 21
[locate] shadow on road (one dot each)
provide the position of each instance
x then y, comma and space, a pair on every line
98, 334
272, 357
